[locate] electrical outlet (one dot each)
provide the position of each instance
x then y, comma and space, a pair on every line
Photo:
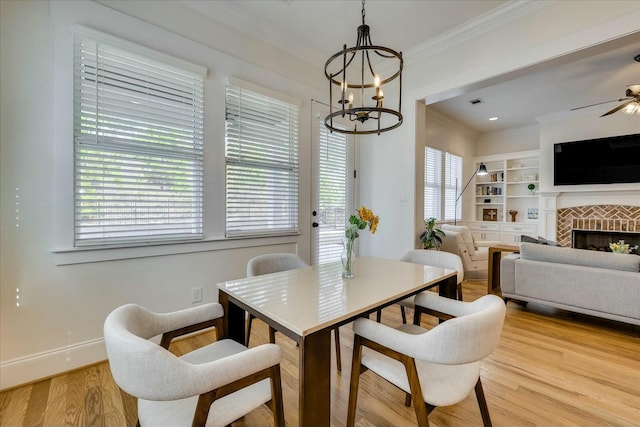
196, 295
403, 202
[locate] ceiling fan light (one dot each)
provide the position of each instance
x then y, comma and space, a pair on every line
632, 108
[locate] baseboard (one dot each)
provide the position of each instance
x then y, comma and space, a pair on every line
43, 365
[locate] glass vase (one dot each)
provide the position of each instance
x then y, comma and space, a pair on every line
348, 257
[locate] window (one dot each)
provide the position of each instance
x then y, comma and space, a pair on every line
442, 180
138, 135
261, 162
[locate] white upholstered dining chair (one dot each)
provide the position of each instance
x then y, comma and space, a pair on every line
213, 385
273, 263
437, 367
435, 259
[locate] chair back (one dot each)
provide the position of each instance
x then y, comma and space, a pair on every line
436, 259
272, 263
468, 338
141, 367
465, 233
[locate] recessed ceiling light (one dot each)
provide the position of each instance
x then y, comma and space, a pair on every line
492, 119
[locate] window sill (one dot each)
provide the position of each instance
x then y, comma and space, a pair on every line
72, 256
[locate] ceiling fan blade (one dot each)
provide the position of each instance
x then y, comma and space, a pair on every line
592, 105
619, 107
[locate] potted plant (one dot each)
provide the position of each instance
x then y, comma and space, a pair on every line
431, 237
531, 187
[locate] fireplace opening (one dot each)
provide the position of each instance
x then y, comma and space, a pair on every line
598, 240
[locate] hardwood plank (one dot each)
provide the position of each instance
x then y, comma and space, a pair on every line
13, 406
37, 404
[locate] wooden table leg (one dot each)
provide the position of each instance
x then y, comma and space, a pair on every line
449, 287
234, 319
315, 380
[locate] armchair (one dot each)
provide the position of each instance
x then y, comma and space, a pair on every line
474, 253
436, 259
214, 385
437, 367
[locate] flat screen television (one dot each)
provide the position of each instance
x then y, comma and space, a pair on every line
609, 160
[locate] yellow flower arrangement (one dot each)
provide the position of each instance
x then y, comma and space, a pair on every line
358, 222
621, 247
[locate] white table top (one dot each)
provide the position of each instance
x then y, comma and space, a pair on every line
309, 299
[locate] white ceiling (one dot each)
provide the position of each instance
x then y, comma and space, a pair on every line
314, 30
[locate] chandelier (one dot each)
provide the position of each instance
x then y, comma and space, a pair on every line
358, 89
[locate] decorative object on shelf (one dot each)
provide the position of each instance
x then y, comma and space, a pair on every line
622, 248
531, 187
353, 68
481, 171
513, 214
487, 200
365, 218
489, 214
532, 214
529, 178
431, 237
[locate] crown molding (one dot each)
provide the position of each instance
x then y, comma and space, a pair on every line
234, 17
484, 23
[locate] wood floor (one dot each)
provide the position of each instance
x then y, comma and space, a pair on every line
551, 368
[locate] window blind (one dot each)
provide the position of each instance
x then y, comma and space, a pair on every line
452, 185
432, 183
261, 164
138, 137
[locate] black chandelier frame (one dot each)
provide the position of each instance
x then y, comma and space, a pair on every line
363, 113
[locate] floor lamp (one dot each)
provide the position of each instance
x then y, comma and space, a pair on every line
482, 170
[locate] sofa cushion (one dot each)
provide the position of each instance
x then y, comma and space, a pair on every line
581, 257
615, 292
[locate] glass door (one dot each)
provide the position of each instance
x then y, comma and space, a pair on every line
333, 191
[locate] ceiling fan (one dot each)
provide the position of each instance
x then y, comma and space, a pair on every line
630, 103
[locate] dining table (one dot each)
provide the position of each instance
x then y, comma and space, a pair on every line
306, 304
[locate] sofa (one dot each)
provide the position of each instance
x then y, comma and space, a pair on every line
473, 253
602, 284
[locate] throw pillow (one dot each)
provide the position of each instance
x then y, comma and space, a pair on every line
528, 239
544, 241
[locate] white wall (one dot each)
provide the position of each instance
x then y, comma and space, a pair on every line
551, 29
63, 298
581, 126
509, 141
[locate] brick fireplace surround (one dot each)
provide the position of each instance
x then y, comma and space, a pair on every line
625, 219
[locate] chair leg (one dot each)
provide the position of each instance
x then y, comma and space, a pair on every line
336, 337
416, 391
404, 314
482, 402
276, 397
417, 315
355, 379
459, 291
248, 334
